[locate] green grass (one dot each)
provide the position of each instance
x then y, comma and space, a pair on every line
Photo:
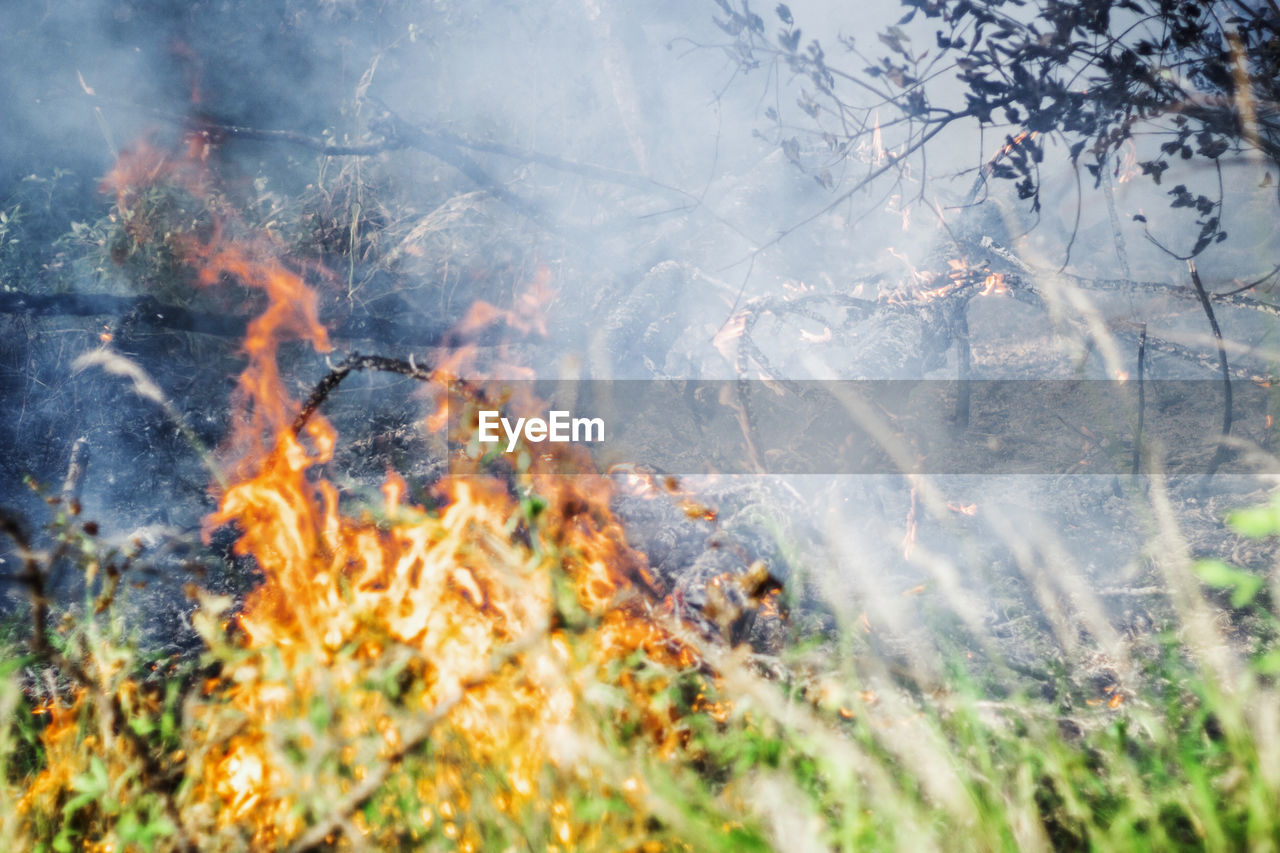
841, 755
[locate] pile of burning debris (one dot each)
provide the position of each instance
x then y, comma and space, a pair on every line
491, 657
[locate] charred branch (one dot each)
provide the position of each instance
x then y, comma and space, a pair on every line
397, 134
1142, 400
1220, 456
964, 360
343, 369
147, 309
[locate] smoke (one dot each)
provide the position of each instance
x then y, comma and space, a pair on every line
623, 148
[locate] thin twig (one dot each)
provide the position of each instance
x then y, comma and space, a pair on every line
1108, 192
1142, 400
145, 387
114, 717
964, 359
421, 139
1251, 285
890, 163
343, 369
32, 577
1221, 454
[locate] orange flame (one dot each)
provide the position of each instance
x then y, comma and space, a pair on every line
455, 587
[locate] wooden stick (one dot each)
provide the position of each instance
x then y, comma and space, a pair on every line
1220, 455
1142, 400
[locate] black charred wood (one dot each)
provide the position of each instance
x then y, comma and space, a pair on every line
413, 333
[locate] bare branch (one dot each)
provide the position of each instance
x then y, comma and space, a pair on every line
1220, 456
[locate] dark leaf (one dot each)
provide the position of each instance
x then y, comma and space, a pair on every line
1155, 168
1207, 233
1181, 198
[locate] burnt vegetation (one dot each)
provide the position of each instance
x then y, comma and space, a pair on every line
256, 261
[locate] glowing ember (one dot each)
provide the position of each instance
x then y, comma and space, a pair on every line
993, 283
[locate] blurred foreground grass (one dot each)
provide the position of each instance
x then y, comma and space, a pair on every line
685, 744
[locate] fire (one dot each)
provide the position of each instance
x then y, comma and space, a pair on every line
499, 610
961, 278
456, 588
993, 283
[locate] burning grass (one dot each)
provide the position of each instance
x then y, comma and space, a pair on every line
414, 656
486, 701
495, 671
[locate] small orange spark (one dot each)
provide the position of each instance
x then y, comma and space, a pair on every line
697, 512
